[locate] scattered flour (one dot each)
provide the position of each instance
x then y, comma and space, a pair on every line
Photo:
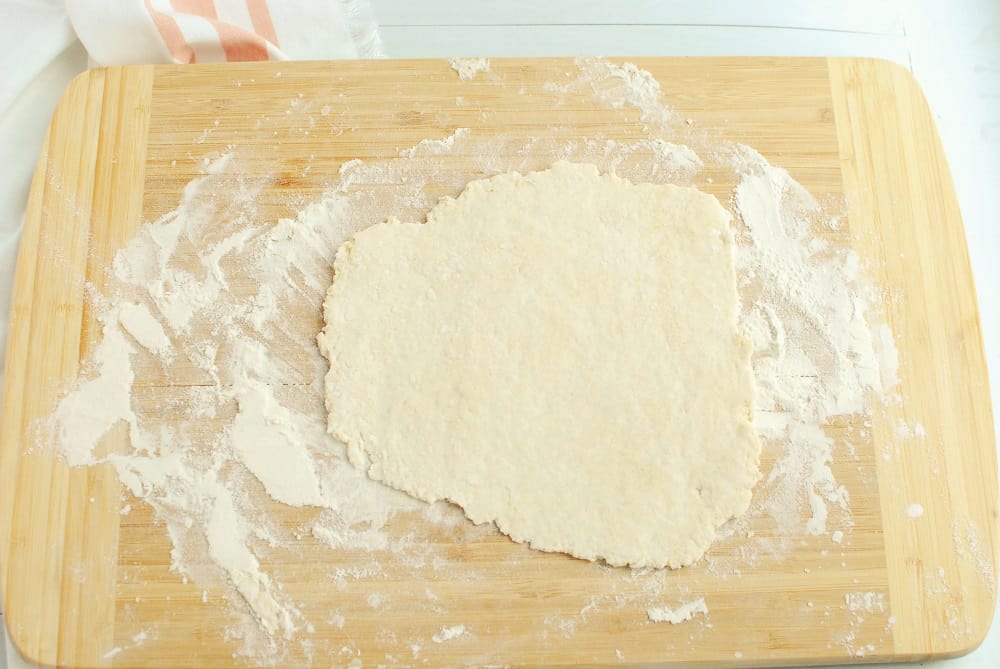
618, 86
969, 546
861, 606
207, 296
448, 633
434, 147
807, 307
903, 430
862, 603
137, 640
102, 398
680, 614
145, 329
468, 68
888, 355
914, 510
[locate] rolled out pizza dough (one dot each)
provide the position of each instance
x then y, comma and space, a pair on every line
554, 352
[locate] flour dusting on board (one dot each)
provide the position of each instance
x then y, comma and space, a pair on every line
448, 633
468, 68
679, 614
205, 390
861, 606
806, 314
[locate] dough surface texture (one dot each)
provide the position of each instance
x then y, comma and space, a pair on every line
554, 352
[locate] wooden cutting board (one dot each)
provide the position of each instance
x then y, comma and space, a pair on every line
81, 579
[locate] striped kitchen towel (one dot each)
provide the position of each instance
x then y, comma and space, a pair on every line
122, 32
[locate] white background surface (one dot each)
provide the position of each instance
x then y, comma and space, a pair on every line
953, 48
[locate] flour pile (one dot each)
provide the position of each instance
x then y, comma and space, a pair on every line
208, 360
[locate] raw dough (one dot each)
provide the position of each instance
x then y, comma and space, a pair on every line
556, 353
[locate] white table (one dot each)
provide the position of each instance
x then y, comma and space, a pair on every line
953, 48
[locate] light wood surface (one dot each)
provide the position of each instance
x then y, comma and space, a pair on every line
80, 579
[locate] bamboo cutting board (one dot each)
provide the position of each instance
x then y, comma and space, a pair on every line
80, 579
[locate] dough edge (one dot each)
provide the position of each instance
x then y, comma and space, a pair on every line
355, 442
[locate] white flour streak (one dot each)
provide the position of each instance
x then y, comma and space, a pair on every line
648, 159
468, 68
968, 545
814, 355
863, 603
137, 640
83, 417
448, 633
145, 329
199, 474
435, 147
888, 356
861, 606
680, 614
618, 86
270, 440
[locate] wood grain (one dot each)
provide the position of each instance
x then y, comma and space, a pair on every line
889, 146
79, 579
60, 527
